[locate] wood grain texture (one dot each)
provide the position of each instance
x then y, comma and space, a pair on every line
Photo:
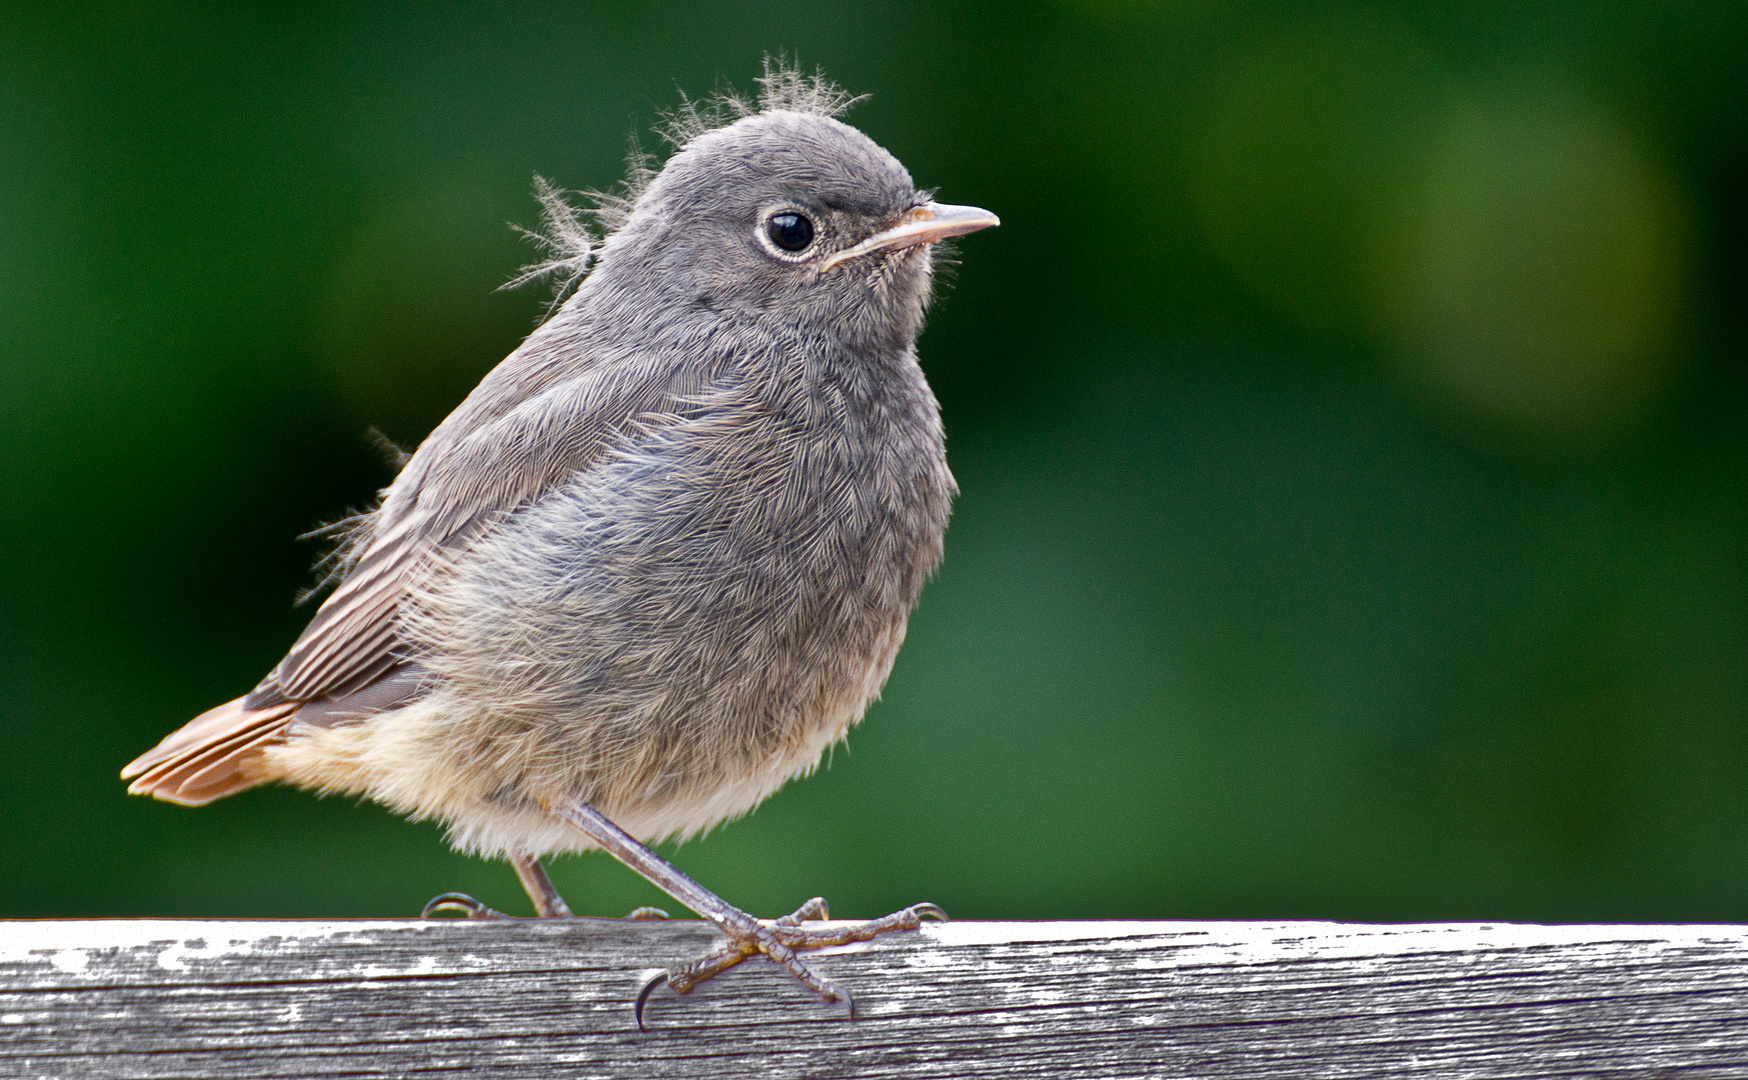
536, 999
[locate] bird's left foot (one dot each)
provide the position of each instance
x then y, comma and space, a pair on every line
781, 940
467, 905
473, 909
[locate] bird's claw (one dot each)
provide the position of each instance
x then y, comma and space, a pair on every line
816, 908
643, 998
929, 911
645, 914
454, 901
779, 940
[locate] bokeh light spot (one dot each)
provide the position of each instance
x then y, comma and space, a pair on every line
1536, 275
1298, 150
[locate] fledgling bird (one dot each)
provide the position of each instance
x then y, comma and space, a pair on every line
663, 556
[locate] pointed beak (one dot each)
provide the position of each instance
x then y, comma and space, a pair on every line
927, 224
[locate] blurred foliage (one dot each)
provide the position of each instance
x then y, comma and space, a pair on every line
1349, 414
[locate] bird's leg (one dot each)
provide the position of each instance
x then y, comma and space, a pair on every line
778, 939
548, 904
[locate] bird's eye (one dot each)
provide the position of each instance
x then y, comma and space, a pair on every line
790, 231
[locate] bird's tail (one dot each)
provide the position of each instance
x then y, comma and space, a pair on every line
216, 754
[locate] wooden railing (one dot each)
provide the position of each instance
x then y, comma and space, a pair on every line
140, 998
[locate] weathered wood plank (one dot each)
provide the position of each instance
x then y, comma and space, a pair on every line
519, 999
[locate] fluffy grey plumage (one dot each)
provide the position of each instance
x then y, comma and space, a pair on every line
664, 554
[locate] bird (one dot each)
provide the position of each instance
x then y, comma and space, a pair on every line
663, 556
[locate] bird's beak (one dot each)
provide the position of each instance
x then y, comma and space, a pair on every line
927, 224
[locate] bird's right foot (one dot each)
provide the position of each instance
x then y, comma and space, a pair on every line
780, 940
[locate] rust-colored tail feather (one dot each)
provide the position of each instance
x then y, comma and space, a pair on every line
211, 756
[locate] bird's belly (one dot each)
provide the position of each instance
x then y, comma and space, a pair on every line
663, 644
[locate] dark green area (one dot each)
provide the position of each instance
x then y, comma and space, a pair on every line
1350, 416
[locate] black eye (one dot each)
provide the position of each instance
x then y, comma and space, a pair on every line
790, 231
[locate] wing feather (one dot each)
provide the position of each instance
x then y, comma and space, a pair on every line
531, 424
216, 747
451, 491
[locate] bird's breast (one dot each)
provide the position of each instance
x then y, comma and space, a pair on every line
719, 597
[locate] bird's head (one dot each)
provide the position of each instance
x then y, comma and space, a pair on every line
794, 220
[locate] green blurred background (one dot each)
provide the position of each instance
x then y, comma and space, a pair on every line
1350, 416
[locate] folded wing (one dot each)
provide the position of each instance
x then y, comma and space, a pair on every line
492, 456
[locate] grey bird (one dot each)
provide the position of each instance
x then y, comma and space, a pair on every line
663, 555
